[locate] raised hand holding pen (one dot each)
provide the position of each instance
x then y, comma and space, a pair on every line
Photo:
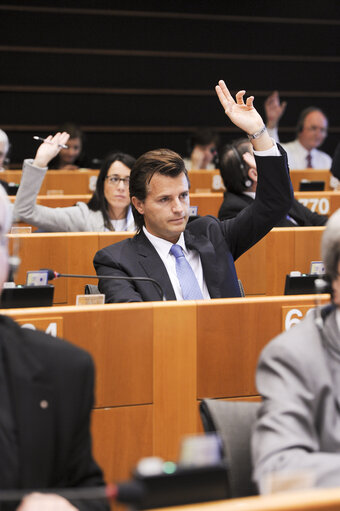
50, 148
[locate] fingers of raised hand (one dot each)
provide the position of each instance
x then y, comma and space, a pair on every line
239, 97
225, 90
249, 102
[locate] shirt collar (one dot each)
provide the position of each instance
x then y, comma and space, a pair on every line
163, 246
303, 150
250, 194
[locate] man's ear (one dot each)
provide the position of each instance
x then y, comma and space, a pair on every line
138, 204
252, 174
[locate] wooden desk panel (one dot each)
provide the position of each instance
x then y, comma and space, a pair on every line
264, 267
325, 499
311, 175
155, 360
65, 253
121, 437
203, 181
70, 181
207, 203
324, 203
230, 337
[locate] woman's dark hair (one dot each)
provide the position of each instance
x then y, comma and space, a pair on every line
75, 132
98, 201
233, 168
160, 161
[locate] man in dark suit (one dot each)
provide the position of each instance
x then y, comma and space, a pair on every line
194, 260
46, 396
239, 174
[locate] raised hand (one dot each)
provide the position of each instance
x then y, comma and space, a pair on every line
274, 109
243, 115
50, 148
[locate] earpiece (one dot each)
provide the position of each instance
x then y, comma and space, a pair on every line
247, 182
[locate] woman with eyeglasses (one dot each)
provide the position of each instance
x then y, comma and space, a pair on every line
108, 210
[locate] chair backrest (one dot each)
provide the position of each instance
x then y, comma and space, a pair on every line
233, 421
91, 289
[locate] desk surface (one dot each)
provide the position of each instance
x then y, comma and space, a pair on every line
327, 499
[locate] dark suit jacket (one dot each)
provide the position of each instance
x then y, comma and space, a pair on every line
219, 243
54, 442
233, 204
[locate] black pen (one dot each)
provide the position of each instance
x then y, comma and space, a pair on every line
49, 141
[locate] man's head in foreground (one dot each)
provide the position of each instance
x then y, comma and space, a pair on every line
159, 191
330, 249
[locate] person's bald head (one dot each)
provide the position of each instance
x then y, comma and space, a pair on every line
5, 224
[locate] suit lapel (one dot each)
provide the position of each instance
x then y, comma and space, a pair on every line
34, 412
153, 266
208, 258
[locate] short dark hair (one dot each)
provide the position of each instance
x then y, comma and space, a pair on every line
233, 169
98, 201
303, 115
159, 161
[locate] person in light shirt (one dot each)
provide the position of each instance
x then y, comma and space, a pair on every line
108, 209
311, 131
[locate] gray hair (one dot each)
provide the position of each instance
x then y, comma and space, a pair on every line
4, 138
7, 219
330, 246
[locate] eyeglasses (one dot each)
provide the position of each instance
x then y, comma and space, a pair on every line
114, 180
317, 128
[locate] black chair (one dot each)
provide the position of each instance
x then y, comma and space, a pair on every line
233, 421
91, 289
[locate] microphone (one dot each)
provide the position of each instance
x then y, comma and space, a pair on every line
183, 485
126, 492
55, 275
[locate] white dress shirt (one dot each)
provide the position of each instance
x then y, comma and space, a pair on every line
297, 154
192, 256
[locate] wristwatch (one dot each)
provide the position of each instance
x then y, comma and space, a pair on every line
258, 133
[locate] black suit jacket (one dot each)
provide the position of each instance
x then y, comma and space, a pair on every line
233, 204
54, 442
219, 243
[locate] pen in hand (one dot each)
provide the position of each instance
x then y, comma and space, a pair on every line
63, 146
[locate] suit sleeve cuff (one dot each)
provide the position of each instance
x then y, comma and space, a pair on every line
273, 151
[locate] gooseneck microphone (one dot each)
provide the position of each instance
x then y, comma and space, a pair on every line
55, 275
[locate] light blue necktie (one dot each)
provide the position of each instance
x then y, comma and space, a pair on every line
186, 277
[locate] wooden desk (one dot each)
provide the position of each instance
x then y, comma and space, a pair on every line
325, 499
324, 203
311, 175
203, 181
262, 269
64, 253
69, 181
155, 361
207, 203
